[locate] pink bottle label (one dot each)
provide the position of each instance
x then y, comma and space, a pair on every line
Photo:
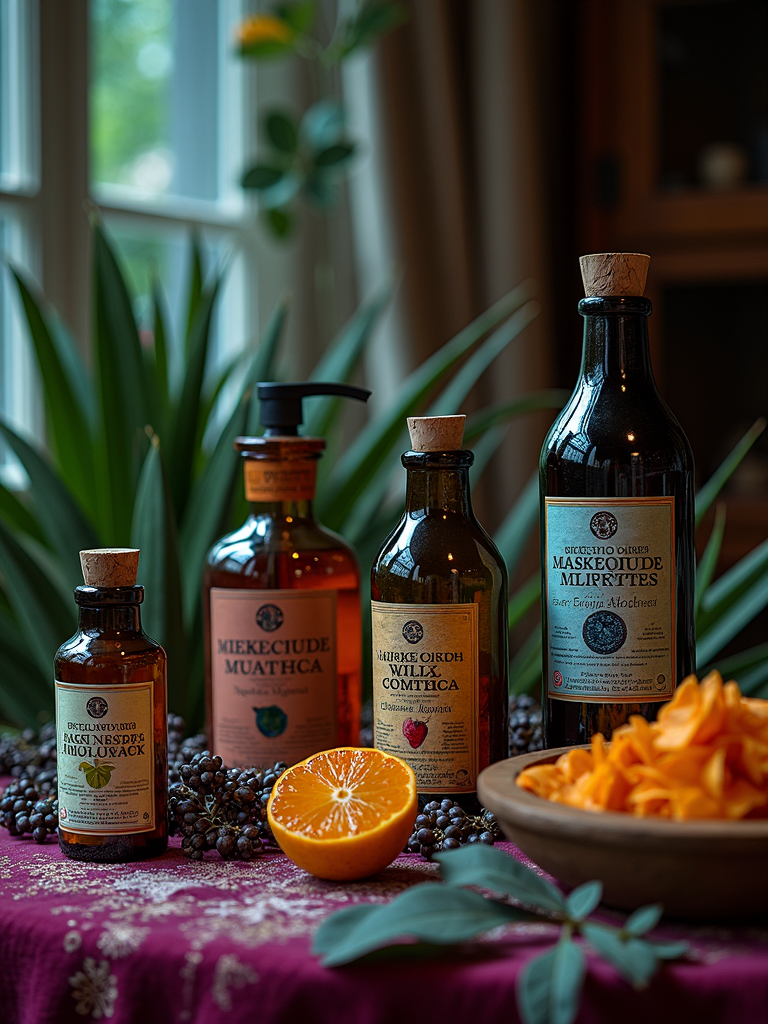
273, 673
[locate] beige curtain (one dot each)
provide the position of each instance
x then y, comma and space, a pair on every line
462, 99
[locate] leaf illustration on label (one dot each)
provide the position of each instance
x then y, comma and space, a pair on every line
415, 732
271, 721
98, 774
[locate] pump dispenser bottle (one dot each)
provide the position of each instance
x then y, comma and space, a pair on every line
282, 603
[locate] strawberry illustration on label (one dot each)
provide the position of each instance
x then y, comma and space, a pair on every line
415, 732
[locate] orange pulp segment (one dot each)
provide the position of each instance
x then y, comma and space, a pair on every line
345, 813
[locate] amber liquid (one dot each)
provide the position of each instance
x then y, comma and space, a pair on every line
616, 438
282, 547
452, 560
110, 647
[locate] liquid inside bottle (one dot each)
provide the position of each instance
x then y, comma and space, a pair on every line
111, 715
439, 589
618, 559
282, 618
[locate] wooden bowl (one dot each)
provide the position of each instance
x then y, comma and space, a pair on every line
700, 870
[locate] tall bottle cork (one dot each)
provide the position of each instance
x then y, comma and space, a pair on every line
614, 273
110, 567
436, 433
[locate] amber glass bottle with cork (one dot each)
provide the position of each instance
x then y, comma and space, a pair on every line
617, 494
439, 613
281, 598
111, 720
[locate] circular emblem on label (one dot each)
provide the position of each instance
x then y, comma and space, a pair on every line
557, 678
97, 707
660, 681
269, 617
413, 631
603, 525
604, 632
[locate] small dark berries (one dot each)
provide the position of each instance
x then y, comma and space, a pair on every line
444, 825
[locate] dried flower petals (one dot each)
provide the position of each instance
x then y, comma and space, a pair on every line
705, 757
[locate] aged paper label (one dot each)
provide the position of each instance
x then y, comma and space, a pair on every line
425, 691
287, 480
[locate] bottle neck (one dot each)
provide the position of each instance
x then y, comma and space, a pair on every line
616, 340
109, 609
287, 511
438, 482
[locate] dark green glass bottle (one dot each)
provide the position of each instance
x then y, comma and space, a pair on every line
439, 610
617, 489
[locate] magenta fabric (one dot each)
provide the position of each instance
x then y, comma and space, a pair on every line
170, 940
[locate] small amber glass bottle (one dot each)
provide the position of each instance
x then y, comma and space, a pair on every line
111, 720
281, 598
439, 588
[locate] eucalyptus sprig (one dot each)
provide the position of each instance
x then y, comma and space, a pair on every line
549, 986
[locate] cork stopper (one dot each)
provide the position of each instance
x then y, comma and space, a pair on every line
436, 433
614, 273
110, 567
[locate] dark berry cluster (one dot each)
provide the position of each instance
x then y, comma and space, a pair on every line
181, 748
224, 809
28, 753
525, 728
31, 807
444, 825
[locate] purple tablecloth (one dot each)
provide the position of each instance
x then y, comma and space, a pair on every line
170, 940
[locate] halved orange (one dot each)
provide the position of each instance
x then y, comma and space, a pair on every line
345, 813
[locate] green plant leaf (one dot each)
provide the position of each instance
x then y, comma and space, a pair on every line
737, 665
705, 570
720, 477
643, 920
300, 16
432, 913
484, 419
160, 337
332, 156
261, 177
267, 49
66, 421
524, 598
154, 533
492, 869
732, 621
322, 124
337, 927
66, 529
549, 986
44, 619
583, 900
26, 696
322, 191
633, 958
282, 131
188, 429
280, 222
525, 668
17, 515
371, 20
361, 461
512, 536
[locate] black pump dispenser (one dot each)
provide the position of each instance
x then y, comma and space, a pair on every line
281, 408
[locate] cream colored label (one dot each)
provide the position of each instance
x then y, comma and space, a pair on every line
273, 674
609, 582
105, 758
425, 691
280, 481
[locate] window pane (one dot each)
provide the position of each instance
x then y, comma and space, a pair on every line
18, 93
155, 96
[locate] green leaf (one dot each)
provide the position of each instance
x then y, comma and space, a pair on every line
154, 533
583, 900
334, 155
429, 912
66, 529
267, 49
122, 392
705, 570
372, 20
746, 601
300, 16
335, 928
643, 920
361, 462
66, 418
525, 668
743, 663
45, 621
512, 536
549, 986
524, 598
160, 348
261, 177
322, 191
492, 869
282, 131
322, 124
484, 419
187, 426
720, 477
280, 222
669, 950
26, 696
633, 958
17, 515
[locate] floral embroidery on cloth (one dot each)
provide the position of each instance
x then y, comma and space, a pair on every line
94, 989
